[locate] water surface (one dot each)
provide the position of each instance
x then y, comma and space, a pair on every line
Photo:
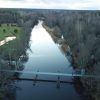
45, 56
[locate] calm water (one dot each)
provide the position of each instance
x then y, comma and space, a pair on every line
45, 56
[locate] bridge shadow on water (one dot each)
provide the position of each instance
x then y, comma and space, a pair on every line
45, 84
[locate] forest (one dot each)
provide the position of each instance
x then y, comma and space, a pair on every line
80, 30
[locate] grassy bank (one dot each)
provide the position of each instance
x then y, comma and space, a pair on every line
7, 30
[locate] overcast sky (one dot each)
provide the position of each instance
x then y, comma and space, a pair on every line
52, 4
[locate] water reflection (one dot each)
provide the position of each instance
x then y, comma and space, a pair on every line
45, 91
45, 55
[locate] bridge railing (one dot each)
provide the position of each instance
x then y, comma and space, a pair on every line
53, 73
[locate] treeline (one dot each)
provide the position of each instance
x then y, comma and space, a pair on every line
82, 33
13, 55
8, 16
23, 19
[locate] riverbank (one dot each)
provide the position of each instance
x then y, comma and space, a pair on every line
57, 39
85, 82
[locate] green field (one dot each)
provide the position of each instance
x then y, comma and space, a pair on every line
9, 30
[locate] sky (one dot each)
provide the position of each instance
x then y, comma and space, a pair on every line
52, 4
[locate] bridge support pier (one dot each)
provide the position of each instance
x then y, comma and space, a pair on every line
58, 82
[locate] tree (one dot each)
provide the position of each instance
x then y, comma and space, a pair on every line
15, 30
4, 30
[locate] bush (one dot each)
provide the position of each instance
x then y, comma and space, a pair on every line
4, 30
15, 30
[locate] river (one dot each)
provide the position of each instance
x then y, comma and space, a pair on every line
45, 56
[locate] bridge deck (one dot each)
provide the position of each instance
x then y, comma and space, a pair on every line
57, 80
44, 80
51, 73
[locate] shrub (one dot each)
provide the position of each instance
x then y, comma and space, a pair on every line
15, 30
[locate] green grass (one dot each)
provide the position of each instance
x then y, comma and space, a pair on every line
8, 30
